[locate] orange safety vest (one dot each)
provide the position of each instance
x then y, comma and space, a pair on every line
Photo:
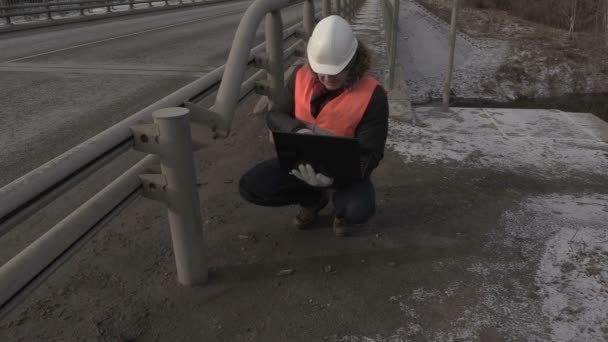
341, 115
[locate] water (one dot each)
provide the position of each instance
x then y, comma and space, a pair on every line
596, 103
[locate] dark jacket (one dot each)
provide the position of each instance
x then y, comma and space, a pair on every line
371, 132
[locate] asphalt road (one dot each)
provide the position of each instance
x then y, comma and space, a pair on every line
64, 84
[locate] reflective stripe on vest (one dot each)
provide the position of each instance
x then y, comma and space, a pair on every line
341, 115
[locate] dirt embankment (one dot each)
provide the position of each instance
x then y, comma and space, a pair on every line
540, 61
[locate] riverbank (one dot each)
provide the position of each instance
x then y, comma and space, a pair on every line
522, 62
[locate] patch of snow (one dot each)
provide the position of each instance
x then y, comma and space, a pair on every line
545, 143
28, 19
158, 4
120, 8
568, 237
573, 273
423, 49
545, 279
66, 14
99, 10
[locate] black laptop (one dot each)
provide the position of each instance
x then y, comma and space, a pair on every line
336, 157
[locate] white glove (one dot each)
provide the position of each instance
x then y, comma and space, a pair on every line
308, 175
304, 131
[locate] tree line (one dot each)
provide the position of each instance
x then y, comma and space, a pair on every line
571, 15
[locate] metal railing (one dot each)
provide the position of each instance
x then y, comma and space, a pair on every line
169, 141
10, 9
391, 28
448, 77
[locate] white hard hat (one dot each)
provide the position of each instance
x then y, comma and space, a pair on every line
331, 46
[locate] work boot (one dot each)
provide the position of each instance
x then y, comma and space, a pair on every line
341, 228
307, 216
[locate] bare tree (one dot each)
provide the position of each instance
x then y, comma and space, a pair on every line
580, 13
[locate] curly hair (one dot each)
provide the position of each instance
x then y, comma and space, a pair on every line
358, 66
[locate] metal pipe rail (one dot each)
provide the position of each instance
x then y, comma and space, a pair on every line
169, 138
243, 40
34, 190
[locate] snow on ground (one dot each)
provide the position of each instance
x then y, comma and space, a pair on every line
571, 234
555, 244
423, 43
543, 143
528, 61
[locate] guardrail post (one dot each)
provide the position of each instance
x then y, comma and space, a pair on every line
326, 8
308, 17
274, 48
170, 138
6, 13
448, 79
345, 13
131, 5
394, 28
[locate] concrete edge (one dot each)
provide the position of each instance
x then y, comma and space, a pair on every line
400, 106
80, 19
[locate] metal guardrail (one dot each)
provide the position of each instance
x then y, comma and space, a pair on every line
448, 77
169, 139
391, 20
23, 8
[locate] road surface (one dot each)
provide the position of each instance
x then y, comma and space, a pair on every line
64, 84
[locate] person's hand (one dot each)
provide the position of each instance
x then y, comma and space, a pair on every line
304, 131
308, 175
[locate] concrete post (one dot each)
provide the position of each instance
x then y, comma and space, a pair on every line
448, 78
6, 12
308, 17
170, 138
274, 48
326, 10
392, 45
349, 10
177, 165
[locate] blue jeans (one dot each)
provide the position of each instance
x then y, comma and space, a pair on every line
266, 184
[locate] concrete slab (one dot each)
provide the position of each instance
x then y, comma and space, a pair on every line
544, 142
593, 125
537, 123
